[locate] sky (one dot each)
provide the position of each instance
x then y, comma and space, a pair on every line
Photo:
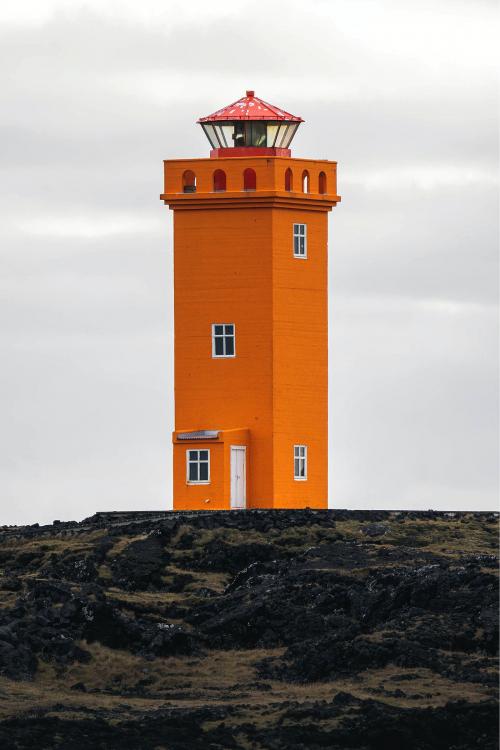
95, 94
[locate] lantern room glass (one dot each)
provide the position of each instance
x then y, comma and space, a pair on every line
250, 134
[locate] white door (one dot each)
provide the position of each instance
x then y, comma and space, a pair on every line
238, 476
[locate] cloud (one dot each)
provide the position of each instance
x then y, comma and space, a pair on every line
78, 226
418, 243
414, 423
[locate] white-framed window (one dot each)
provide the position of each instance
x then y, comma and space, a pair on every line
300, 240
198, 466
223, 340
300, 463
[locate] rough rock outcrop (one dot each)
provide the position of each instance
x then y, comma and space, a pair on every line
264, 629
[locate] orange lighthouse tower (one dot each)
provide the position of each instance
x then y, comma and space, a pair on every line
251, 315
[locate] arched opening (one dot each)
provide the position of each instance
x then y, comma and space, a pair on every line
219, 181
322, 183
189, 182
305, 181
249, 179
289, 180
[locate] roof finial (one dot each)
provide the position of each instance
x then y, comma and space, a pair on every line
250, 93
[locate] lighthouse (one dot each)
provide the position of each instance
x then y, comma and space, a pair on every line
250, 315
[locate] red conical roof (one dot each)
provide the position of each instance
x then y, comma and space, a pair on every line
250, 107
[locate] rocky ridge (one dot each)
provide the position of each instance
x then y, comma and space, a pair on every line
256, 629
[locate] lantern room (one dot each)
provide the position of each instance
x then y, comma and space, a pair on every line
250, 127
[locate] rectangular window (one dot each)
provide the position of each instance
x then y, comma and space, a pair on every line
300, 240
300, 462
223, 340
198, 466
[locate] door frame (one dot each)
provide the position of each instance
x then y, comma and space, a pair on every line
244, 449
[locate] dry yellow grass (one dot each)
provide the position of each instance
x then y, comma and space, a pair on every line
113, 679
122, 543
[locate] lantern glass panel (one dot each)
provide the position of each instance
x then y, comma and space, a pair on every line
227, 132
281, 135
210, 133
292, 129
239, 134
272, 131
218, 127
256, 134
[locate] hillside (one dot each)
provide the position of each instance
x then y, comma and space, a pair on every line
262, 630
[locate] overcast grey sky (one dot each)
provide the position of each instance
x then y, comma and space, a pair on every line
95, 94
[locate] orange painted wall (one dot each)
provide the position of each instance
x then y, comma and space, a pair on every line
234, 263
222, 274
300, 359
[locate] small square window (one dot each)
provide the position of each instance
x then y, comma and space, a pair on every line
198, 466
300, 463
300, 240
223, 340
